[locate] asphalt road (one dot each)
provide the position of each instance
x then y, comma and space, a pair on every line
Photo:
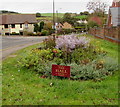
10, 44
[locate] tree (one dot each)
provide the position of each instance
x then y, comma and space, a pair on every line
41, 26
96, 6
92, 24
67, 18
38, 14
36, 27
84, 13
48, 26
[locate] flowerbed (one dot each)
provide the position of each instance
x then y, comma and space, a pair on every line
86, 58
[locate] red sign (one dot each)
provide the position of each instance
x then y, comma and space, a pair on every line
60, 70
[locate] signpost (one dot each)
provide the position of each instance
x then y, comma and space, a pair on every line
60, 70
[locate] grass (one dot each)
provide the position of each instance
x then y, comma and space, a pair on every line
51, 14
44, 18
25, 87
81, 17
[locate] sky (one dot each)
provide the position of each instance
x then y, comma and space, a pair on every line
45, 6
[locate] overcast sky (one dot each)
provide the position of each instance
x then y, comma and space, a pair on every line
45, 6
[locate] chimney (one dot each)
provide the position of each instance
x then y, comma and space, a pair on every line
116, 3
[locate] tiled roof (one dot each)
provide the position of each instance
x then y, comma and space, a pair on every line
19, 18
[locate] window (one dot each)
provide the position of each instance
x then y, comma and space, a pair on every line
6, 33
6, 25
26, 25
20, 25
13, 25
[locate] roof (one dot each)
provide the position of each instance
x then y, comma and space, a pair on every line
115, 13
116, 0
18, 18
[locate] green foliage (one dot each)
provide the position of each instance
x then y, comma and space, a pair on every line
82, 17
49, 43
8, 12
84, 13
96, 70
68, 18
92, 24
20, 85
41, 26
36, 27
87, 62
42, 60
38, 14
51, 14
44, 33
65, 31
14, 33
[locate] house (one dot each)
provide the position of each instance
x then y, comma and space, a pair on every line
82, 21
17, 23
64, 25
114, 14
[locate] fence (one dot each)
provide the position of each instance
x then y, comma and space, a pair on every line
108, 33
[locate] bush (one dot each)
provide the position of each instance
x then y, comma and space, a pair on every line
96, 70
14, 33
41, 61
38, 14
70, 42
31, 34
38, 33
66, 31
44, 33
49, 43
87, 60
92, 24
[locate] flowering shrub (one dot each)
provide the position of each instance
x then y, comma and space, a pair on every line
87, 60
71, 42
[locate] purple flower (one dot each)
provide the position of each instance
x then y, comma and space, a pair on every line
71, 42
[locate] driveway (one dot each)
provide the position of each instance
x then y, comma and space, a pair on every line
10, 44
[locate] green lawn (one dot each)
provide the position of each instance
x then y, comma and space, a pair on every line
51, 14
81, 17
44, 18
23, 87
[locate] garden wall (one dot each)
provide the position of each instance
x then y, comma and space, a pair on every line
108, 33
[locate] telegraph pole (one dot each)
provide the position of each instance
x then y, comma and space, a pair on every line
54, 20
53, 15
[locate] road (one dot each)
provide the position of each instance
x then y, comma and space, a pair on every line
10, 44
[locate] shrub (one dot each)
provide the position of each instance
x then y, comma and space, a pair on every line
14, 33
36, 27
65, 31
44, 33
41, 61
31, 34
38, 14
86, 59
92, 24
91, 70
41, 26
49, 43
70, 42
38, 33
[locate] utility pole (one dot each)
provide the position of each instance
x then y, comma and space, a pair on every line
53, 15
54, 20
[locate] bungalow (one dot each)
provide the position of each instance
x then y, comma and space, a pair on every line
17, 23
82, 21
64, 25
114, 14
